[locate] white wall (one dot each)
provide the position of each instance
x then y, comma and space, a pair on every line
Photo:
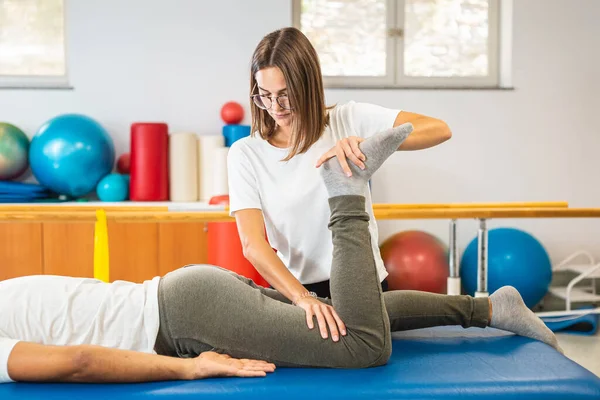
538, 142
141, 60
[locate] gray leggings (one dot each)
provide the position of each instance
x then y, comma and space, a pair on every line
206, 308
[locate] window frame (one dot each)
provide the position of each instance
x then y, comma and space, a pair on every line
395, 77
42, 81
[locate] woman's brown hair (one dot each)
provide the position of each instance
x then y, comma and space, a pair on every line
291, 51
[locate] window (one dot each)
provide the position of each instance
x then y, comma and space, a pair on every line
32, 48
403, 43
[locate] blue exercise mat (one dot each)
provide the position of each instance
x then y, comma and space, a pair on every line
448, 363
574, 324
10, 187
21, 198
20, 192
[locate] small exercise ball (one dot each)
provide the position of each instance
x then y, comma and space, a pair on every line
14, 151
124, 163
515, 258
415, 260
113, 187
232, 113
70, 154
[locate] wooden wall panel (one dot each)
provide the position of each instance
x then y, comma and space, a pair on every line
69, 249
20, 249
181, 244
133, 251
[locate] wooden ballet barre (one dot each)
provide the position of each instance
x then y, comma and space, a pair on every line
223, 216
406, 206
487, 213
58, 207
117, 216
61, 207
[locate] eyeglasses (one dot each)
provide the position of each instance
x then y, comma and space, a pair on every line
266, 102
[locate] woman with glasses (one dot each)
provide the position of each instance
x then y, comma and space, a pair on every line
273, 175
274, 185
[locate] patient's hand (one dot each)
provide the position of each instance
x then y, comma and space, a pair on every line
211, 364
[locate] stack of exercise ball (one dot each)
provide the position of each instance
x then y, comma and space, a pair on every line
68, 156
73, 156
515, 258
415, 260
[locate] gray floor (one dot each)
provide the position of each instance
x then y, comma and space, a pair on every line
584, 350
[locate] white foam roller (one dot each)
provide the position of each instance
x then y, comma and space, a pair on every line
220, 183
183, 167
207, 145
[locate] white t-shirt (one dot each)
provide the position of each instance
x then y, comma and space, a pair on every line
60, 310
292, 195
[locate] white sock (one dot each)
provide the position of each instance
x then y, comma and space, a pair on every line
510, 313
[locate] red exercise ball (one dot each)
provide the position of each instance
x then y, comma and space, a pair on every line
232, 113
123, 164
416, 260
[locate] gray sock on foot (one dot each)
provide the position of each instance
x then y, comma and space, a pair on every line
510, 313
376, 149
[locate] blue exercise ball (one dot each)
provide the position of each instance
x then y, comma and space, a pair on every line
70, 153
113, 187
515, 258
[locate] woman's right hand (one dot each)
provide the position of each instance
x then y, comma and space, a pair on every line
326, 317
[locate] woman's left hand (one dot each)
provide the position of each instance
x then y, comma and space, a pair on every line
347, 148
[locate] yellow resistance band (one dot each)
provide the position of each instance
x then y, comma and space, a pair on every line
101, 247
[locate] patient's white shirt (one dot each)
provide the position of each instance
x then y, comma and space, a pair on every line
60, 310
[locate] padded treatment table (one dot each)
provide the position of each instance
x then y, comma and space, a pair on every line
436, 363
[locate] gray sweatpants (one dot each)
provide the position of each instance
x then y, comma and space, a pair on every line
206, 308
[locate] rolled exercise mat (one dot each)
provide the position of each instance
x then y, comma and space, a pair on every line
183, 167
233, 133
585, 324
206, 155
149, 164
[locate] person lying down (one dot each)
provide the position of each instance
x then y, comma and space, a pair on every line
203, 321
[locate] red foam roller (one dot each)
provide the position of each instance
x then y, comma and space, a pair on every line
149, 162
225, 247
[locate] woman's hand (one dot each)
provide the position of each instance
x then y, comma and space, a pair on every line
347, 148
326, 316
